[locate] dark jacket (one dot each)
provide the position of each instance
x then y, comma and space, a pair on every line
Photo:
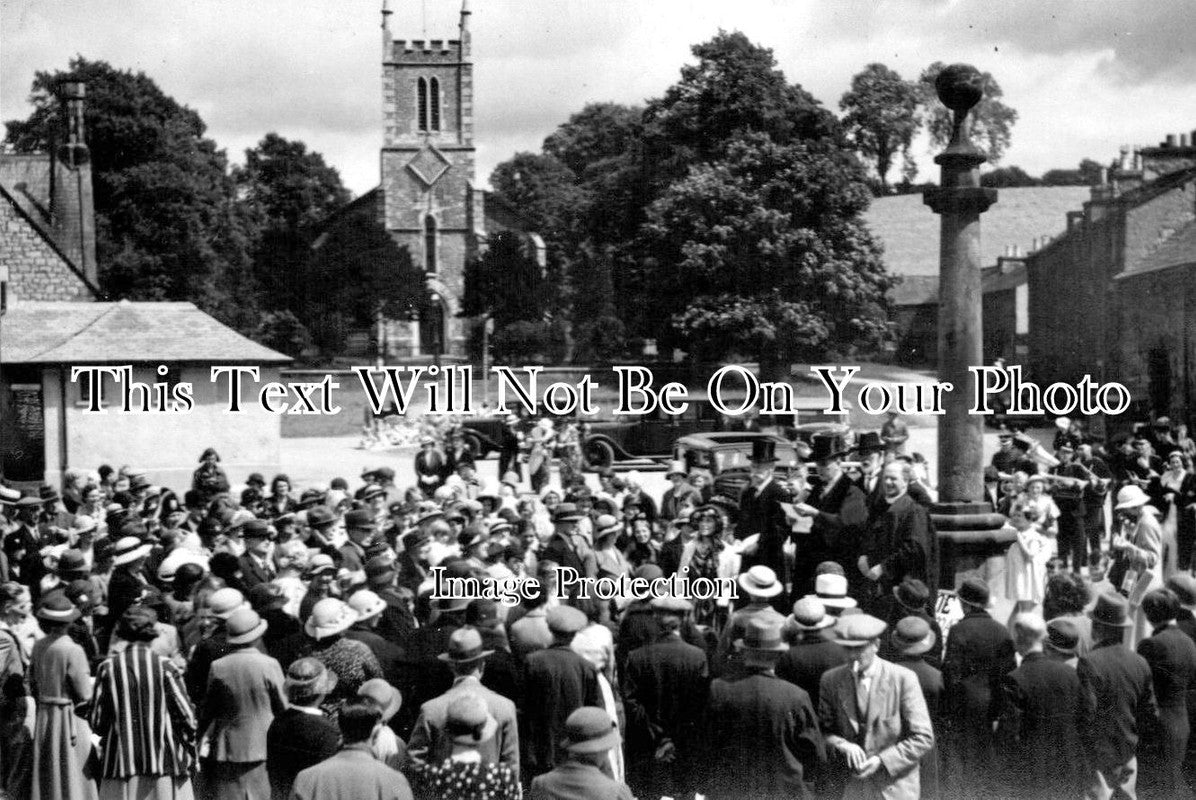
1118, 697
1039, 731
900, 538
760, 512
835, 533
892, 612
1172, 659
297, 740
763, 737
562, 682
979, 655
806, 661
253, 573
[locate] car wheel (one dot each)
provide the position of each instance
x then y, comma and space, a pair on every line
473, 443
598, 454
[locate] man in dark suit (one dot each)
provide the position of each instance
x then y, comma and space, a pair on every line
664, 695
560, 682
1118, 697
912, 640
1184, 587
899, 541
760, 513
256, 566
762, 731
590, 734
910, 598
1171, 655
301, 736
979, 655
811, 654
839, 513
874, 716
1039, 730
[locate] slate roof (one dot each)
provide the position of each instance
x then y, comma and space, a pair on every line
123, 333
909, 230
1177, 250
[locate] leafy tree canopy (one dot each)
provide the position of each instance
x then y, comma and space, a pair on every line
882, 117
991, 120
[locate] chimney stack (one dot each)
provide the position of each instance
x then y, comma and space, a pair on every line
72, 208
1170, 142
1183, 140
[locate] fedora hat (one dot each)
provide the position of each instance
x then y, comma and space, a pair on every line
319, 517
809, 614
764, 451
257, 529
245, 626
469, 720
71, 561
129, 549
382, 694
1131, 497
308, 677
912, 594
857, 630
360, 519
913, 636
56, 607
464, 647
1063, 636
590, 729
762, 636
566, 512
1184, 587
974, 592
760, 581
328, 618
831, 589
267, 596
1111, 610
366, 604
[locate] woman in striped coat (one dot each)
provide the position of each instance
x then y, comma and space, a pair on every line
143, 716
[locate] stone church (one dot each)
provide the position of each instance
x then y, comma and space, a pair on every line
428, 199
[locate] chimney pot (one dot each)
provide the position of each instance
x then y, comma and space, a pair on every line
1183, 140
1170, 140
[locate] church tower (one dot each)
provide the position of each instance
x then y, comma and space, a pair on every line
430, 204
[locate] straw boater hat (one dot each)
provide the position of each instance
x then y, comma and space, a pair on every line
590, 729
464, 647
760, 581
55, 607
810, 615
831, 589
328, 618
128, 550
308, 677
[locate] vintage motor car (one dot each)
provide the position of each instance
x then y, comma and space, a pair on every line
652, 435
727, 455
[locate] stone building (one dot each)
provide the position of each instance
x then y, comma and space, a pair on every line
52, 318
1114, 297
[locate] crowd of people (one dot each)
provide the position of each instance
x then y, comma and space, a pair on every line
276, 641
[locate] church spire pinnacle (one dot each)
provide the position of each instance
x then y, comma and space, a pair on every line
465, 37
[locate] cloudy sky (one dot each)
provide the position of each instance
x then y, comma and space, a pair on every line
1084, 75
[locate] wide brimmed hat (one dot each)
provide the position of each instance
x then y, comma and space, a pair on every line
71, 561
382, 694
428, 515
869, 442
56, 607
831, 589
1112, 610
566, 512
1131, 497
590, 729
129, 549
913, 636
320, 516
762, 636
857, 630
223, 602
1184, 587
468, 714
319, 564
28, 502
974, 591
366, 604
308, 677
328, 618
809, 614
760, 581
464, 647
84, 524
912, 593
8, 496
360, 519
245, 626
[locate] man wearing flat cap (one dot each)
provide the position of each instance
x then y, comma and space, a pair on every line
665, 684
762, 731
560, 681
874, 716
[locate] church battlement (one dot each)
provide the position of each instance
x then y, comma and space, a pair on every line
426, 51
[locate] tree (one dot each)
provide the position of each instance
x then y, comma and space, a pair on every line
598, 132
167, 224
764, 253
882, 119
1088, 174
544, 192
356, 271
991, 120
505, 283
288, 186
1008, 177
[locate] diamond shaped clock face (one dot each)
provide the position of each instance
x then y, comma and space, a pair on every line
428, 165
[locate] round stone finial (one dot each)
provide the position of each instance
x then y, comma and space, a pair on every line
960, 86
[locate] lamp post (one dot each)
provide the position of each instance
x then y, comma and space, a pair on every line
960, 200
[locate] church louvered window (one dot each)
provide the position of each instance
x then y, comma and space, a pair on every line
434, 103
422, 94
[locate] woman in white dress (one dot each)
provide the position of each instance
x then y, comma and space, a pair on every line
1026, 561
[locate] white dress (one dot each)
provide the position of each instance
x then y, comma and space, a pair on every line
1026, 565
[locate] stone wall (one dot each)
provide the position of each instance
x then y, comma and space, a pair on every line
36, 270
